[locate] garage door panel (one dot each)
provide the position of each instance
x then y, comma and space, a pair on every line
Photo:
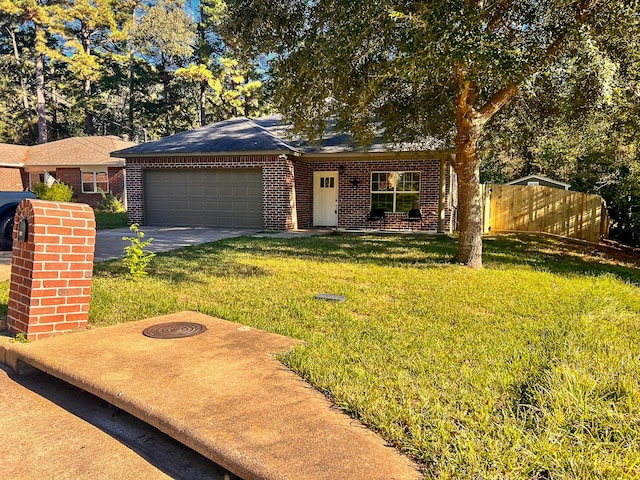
210, 198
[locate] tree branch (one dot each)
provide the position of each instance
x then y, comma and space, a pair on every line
497, 17
583, 9
497, 101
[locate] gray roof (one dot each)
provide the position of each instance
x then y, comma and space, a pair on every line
540, 178
260, 135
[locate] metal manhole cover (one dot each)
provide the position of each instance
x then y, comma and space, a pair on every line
174, 330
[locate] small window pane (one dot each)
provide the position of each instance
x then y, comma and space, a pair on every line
409, 182
407, 201
87, 177
382, 200
380, 182
87, 187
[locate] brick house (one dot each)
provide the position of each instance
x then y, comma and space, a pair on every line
247, 173
84, 163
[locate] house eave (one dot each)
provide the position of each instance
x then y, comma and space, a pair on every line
247, 153
92, 166
405, 155
12, 165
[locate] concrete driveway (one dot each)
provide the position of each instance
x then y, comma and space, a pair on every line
109, 243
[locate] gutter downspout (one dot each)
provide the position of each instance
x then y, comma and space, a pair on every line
124, 193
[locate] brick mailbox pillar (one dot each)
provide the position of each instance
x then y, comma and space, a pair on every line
51, 268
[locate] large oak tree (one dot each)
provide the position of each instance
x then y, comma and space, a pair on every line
412, 69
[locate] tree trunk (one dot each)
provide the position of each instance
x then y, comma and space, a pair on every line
167, 104
89, 128
469, 250
54, 126
40, 99
165, 78
203, 103
469, 124
16, 55
131, 93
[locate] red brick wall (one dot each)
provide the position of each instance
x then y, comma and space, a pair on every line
288, 187
304, 193
354, 204
73, 178
278, 185
11, 180
51, 272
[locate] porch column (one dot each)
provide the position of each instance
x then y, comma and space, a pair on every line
442, 194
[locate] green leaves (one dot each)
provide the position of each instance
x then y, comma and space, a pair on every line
165, 34
136, 257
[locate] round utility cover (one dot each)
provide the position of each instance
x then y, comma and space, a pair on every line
174, 330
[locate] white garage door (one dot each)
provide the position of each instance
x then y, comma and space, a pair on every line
203, 198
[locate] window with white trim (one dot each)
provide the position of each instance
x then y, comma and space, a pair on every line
395, 191
95, 181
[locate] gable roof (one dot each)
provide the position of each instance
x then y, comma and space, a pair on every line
539, 178
13, 155
69, 152
229, 136
263, 135
77, 152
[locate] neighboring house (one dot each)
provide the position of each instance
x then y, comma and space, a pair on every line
12, 158
247, 173
539, 181
84, 163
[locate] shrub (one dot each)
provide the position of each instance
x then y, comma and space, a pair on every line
136, 258
39, 189
111, 203
58, 192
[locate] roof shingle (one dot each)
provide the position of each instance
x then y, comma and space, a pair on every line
261, 135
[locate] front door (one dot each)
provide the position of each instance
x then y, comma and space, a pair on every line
325, 199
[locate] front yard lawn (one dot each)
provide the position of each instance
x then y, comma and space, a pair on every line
106, 220
529, 368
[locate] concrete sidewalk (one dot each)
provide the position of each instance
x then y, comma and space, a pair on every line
223, 394
52, 430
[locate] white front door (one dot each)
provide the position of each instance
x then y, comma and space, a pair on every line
325, 199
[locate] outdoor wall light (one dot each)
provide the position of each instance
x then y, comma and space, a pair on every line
355, 182
341, 169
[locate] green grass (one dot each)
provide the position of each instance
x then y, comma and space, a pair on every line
107, 220
527, 369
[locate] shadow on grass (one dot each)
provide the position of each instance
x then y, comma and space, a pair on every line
556, 255
186, 264
418, 250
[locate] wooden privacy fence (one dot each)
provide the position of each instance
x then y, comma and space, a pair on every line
545, 209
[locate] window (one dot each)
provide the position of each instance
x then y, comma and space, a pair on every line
395, 191
95, 182
41, 177
327, 182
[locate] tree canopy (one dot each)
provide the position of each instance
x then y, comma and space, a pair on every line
441, 68
138, 68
